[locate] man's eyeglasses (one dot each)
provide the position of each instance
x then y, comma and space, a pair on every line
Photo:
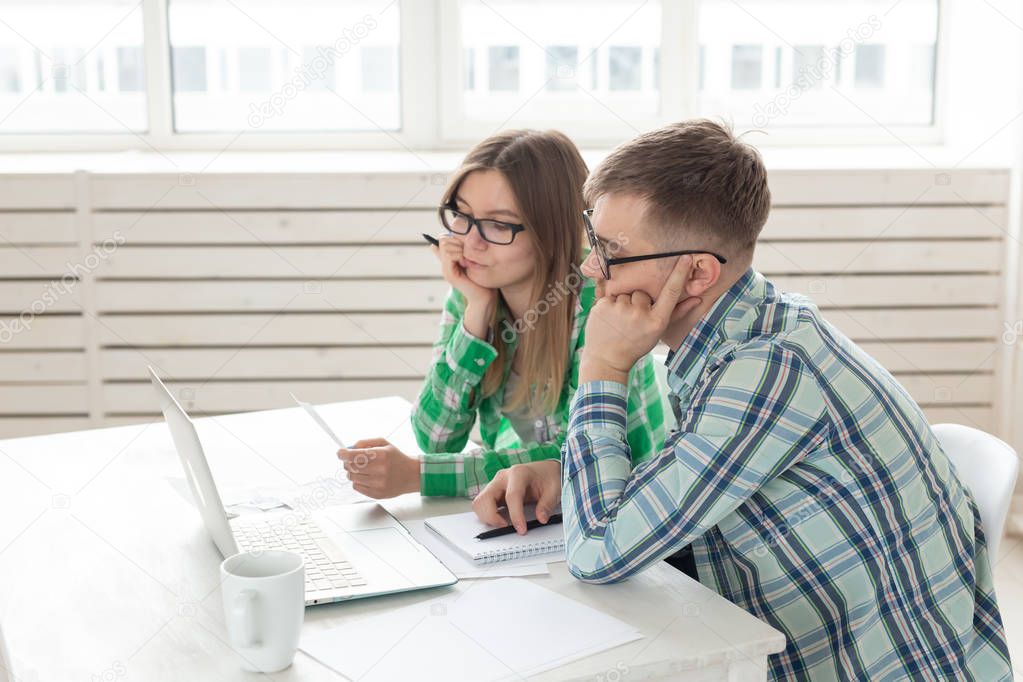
493, 231
606, 262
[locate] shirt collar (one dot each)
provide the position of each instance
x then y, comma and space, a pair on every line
727, 319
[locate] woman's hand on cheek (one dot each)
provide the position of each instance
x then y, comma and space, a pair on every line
480, 300
380, 470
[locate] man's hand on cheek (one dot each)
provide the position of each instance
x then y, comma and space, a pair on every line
622, 329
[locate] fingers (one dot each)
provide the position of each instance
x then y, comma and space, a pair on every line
673, 288
371, 443
514, 498
486, 503
548, 502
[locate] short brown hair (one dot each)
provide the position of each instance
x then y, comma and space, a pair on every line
694, 175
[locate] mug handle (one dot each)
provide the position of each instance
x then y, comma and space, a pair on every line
243, 613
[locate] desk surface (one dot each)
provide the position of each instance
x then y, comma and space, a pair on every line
107, 571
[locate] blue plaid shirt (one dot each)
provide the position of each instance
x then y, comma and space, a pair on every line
813, 492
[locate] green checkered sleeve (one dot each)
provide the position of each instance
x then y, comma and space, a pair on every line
446, 409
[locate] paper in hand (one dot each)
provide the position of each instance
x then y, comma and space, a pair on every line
311, 411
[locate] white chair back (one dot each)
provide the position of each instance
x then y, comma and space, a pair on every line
988, 467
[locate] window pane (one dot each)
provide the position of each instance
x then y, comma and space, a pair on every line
870, 66
571, 64
504, 67
562, 62
624, 68
747, 66
776, 63
61, 67
308, 65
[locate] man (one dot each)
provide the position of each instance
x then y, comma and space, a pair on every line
806, 480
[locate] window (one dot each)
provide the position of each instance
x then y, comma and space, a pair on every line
853, 64
54, 74
345, 74
588, 68
298, 66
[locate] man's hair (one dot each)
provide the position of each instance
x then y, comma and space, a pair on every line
695, 176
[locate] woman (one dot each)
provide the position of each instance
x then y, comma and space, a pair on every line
511, 330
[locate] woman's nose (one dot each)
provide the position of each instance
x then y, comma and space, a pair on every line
590, 267
474, 239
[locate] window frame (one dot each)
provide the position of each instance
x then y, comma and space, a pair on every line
429, 46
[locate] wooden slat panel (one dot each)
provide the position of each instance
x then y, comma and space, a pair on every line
296, 296
211, 191
982, 418
61, 366
302, 329
38, 191
266, 227
38, 297
951, 323
221, 397
417, 261
270, 262
892, 256
18, 427
876, 291
887, 187
41, 261
895, 222
43, 399
429, 294
268, 363
936, 356
949, 389
46, 332
37, 228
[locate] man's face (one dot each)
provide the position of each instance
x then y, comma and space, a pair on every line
618, 222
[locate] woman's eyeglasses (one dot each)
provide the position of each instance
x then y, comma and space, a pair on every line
597, 247
493, 231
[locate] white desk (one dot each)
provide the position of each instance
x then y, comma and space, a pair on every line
107, 573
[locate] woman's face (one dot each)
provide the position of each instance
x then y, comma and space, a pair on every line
487, 194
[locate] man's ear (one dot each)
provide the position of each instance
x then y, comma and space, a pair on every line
705, 273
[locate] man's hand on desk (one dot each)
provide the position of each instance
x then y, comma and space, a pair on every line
516, 486
378, 469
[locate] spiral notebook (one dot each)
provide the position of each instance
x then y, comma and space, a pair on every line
460, 531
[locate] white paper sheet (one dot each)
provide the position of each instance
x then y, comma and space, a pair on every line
465, 568
496, 630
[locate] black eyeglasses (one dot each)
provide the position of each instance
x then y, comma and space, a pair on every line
597, 247
493, 231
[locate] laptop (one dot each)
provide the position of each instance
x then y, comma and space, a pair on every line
350, 551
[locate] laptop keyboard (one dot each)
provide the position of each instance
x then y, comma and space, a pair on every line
326, 568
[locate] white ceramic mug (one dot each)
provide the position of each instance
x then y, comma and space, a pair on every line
264, 605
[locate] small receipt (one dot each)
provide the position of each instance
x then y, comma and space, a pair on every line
311, 411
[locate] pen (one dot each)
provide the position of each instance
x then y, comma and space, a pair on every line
431, 239
507, 530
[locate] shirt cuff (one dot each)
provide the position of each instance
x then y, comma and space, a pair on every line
600, 408
466, 353
440, 474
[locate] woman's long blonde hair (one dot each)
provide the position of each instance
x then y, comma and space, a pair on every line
546, 173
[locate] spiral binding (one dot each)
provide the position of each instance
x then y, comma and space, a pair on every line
496, 555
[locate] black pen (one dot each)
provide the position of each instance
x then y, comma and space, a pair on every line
431, 239
507, 530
